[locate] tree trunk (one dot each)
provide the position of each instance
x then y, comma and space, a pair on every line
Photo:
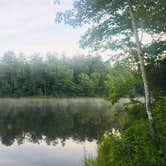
143, 72
45, 89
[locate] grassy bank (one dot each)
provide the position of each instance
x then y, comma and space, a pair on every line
134, 146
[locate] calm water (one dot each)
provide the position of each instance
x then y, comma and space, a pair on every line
50, 132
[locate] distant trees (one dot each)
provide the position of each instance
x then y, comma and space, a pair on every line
52, 76
79, 76
123, 82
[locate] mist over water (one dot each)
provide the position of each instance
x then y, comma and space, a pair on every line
50, 131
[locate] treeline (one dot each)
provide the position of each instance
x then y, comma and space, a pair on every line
52, 76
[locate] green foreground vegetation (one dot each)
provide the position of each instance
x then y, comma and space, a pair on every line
134, 146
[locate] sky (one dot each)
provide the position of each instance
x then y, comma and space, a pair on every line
28, 26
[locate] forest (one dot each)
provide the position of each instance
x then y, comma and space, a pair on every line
61, 77
135, 31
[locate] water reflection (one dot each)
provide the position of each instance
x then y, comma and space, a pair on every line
50, 129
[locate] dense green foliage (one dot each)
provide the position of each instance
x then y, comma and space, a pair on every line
110, 22
134, 146
81, 76
122, 81
52, 76
156, 68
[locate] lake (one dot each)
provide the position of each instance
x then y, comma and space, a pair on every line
50, 132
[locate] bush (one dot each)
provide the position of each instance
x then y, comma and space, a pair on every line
134, 147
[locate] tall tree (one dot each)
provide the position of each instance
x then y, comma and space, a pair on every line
114, 23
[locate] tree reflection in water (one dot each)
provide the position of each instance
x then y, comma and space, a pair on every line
51, 124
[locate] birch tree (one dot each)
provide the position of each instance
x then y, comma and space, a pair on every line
115, 24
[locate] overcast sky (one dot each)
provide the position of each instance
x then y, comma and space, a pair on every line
28, 26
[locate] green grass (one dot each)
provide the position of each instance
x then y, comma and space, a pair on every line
90, 161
